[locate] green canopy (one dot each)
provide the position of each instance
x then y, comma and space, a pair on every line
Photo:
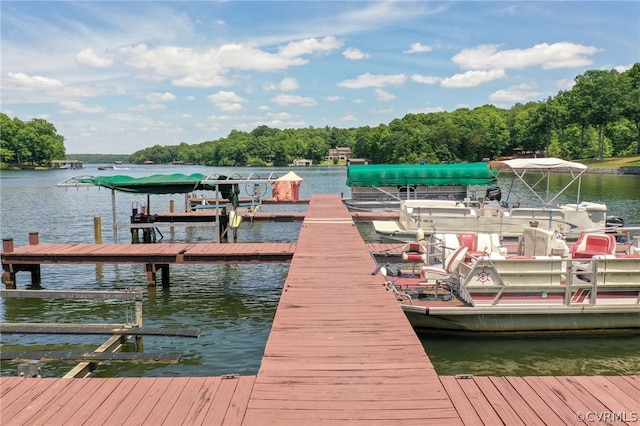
155, 184
420, 174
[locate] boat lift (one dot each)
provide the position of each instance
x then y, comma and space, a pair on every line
214, 181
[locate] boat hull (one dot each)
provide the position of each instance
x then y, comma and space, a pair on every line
522, 319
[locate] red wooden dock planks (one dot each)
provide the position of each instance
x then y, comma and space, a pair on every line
340, 352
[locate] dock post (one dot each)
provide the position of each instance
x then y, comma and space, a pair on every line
151, 274
164, 269
139, 342
36, 275
34, 238
171, 206
7, 245
8, 274
97, 229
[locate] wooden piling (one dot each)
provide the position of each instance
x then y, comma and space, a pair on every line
34, 238
97, 229
8, 273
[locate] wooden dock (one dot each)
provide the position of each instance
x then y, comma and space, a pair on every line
340, 352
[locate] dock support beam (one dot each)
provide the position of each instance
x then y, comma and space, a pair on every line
9, 271
152, 268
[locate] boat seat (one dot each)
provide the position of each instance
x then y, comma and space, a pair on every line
481, 244
451, 263
414, 252
590, 244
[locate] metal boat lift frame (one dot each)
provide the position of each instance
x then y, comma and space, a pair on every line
212, 179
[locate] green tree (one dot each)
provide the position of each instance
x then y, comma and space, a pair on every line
604, 90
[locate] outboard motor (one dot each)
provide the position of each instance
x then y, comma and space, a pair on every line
493, 193
613, 222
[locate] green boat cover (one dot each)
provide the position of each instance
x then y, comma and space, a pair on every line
420, 174
156, 184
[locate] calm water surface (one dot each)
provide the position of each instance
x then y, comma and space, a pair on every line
234, 305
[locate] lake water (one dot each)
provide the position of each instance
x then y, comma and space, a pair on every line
234, 305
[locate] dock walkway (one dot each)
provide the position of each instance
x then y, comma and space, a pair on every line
340, 352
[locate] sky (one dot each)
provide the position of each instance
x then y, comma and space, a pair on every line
115, 77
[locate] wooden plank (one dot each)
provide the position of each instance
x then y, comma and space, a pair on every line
626, 385
166, 401
95, 329
63, 294
129, 405
202, 405
45, 411
148, 401
186, 401
14, 403
497, 400
480, 402
238, 405
98, 389
614, 398
518, 403
78, 356
549, 395
104, 411
464, 407
575, 398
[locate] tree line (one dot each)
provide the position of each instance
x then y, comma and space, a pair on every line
598, 117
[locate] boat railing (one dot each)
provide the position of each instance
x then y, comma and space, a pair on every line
607, 275
604, 280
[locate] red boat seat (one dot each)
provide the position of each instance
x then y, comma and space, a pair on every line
590, 244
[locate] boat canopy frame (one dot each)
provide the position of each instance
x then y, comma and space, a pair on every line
544, 167
158, 184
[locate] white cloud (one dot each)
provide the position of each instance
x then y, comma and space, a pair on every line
335, 98
349, 117
472, 78
384, 96
547, 56
310, 46
287, 100
418, 48
22, 81
287, 84
373, 80
354, 54
565, 84
90, 58
67, 107
425, 79
210, 67
518, 93
425, 110
623, 68
161, 97
227, 101
280, 116
219, 117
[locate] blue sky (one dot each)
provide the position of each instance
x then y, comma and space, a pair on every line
119, 76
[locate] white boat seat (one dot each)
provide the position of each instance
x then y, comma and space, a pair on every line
451, 263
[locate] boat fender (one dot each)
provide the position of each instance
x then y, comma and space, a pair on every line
234, 220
